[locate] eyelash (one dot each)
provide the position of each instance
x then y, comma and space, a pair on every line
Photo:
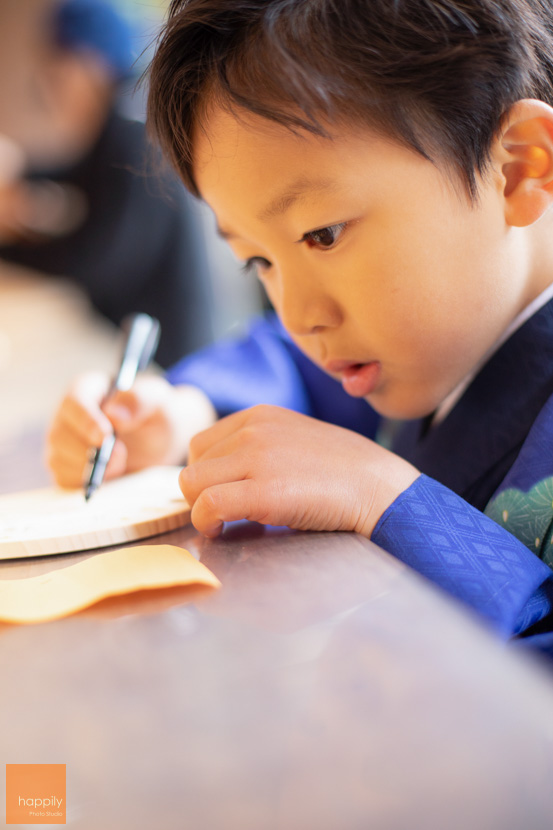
312, 242
251, 265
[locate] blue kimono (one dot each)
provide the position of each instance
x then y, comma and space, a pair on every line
479, 520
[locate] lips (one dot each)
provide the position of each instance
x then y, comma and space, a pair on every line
358, 379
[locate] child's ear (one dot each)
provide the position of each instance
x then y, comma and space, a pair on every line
525, 153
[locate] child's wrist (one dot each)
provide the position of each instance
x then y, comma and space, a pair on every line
399, 476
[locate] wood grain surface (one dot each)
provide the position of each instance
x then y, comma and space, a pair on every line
56, 520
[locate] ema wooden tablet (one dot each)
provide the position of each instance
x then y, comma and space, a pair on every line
56, 520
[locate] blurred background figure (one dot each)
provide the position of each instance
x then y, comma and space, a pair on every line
95, 204
84, 196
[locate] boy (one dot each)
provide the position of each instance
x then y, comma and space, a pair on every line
386, 170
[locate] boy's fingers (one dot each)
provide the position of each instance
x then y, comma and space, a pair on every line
194, 478
226, 502
121, 416
65, 445
90, 425
70, 466
66, 475
84, 412
126, 410
80, 409
118, 462
221, 448
203, 441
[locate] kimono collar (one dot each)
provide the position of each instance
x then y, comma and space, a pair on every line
472, 449
447, 405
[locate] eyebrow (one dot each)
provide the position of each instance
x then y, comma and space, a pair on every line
299, 190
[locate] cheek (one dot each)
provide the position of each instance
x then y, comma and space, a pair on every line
416, 301
271, 289
429, 265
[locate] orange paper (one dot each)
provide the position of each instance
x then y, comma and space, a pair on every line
126, 570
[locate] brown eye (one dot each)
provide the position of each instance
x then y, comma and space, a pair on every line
324, 237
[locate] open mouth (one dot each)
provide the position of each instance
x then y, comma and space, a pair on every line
360, 379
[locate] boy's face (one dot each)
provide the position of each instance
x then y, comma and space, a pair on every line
377, 264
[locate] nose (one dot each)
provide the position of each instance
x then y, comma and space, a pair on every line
303, 305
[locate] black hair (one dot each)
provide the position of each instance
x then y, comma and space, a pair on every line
436, 75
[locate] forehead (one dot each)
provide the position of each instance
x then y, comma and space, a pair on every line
230, 144
241, 153
249, 170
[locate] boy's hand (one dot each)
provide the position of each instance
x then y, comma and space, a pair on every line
274, 466
154, 422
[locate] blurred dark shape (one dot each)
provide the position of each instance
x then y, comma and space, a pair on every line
140, 246
110, 218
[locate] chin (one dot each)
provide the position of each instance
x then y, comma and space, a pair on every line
401, 410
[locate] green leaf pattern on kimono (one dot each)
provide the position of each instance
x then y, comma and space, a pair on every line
528, 516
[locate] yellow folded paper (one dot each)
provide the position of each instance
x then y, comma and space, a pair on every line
67, 590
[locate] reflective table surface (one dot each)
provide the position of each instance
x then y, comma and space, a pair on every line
324, 687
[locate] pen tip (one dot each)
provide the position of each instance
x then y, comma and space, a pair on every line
88, 493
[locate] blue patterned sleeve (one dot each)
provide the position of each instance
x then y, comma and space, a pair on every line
440, 535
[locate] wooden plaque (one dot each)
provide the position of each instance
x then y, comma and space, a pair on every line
56, 520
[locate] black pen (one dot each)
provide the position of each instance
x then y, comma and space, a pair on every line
142, 338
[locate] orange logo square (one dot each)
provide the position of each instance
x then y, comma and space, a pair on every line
35, 794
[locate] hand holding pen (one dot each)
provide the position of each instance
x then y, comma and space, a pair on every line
141, 343
153, 421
